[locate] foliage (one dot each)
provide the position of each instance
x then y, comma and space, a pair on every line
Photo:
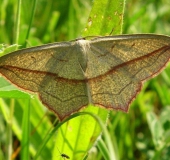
143, 133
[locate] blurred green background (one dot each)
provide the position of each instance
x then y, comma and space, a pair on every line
143, 133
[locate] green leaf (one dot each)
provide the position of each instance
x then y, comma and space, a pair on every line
156, 129
106, 18
25, 135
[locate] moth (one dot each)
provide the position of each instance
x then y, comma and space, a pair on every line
103, 71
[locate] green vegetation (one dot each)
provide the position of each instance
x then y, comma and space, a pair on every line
26, 126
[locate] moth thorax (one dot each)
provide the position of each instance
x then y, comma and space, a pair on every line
84, 44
